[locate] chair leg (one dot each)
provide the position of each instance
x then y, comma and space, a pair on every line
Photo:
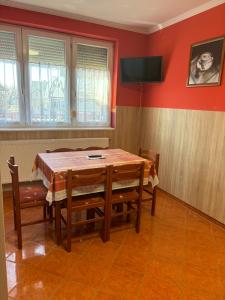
90, 215
119, 207
50, 212
104, 231
153, 202
14, 213
138, 221
44, 211
107, 222
19, 229
128, 211
19, 237
68, 247
14, 218
58, 222
69, 232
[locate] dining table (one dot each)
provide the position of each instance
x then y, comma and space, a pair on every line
52, 168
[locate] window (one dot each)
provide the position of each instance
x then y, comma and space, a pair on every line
92, 82
52, 80
47, 72
9, 80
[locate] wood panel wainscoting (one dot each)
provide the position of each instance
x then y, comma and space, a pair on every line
125, 135
3, 279
192, 155
191, 146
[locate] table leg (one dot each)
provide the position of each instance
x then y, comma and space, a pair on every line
58, 222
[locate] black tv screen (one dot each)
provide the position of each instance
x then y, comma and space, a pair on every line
141, 69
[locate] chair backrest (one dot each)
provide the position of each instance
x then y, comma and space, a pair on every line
128, 172
94, 148
76, 179
77, 149
63, 150
13, 168
151, 155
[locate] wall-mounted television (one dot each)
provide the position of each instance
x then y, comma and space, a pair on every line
141, 69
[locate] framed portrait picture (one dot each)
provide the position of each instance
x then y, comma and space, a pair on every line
206, 63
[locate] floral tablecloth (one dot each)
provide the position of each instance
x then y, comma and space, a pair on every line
52, 169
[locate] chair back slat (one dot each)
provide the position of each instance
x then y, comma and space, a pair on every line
76, 149
76, 179
62, 150
94, 148
88, 177
12, 160
151, 155
127, 172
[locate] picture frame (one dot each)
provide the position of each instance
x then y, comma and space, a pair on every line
206, 63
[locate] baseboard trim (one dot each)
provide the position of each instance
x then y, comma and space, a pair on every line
202, 214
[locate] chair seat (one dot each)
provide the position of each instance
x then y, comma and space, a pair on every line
83, 202
32, 195
120, 196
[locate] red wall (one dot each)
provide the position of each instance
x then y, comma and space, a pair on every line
174, 44
127, 43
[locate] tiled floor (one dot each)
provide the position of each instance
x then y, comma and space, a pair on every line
177, 255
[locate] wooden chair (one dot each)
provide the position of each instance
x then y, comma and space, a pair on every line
95, 202
149, 193
129, 196
25, 197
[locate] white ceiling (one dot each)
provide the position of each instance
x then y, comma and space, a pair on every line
136, 15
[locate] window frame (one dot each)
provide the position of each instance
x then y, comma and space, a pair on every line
62, 37
22, 51
19, 59
95, 43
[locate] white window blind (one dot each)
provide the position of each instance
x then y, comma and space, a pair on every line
9, 92
92, 78
41, 86
48, 88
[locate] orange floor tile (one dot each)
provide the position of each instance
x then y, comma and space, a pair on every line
178, 255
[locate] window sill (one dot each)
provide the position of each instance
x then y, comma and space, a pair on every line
55, 129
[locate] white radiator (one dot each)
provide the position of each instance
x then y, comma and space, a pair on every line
25, 152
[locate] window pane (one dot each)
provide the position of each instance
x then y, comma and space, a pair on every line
9, 93
48, 81
92, 85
